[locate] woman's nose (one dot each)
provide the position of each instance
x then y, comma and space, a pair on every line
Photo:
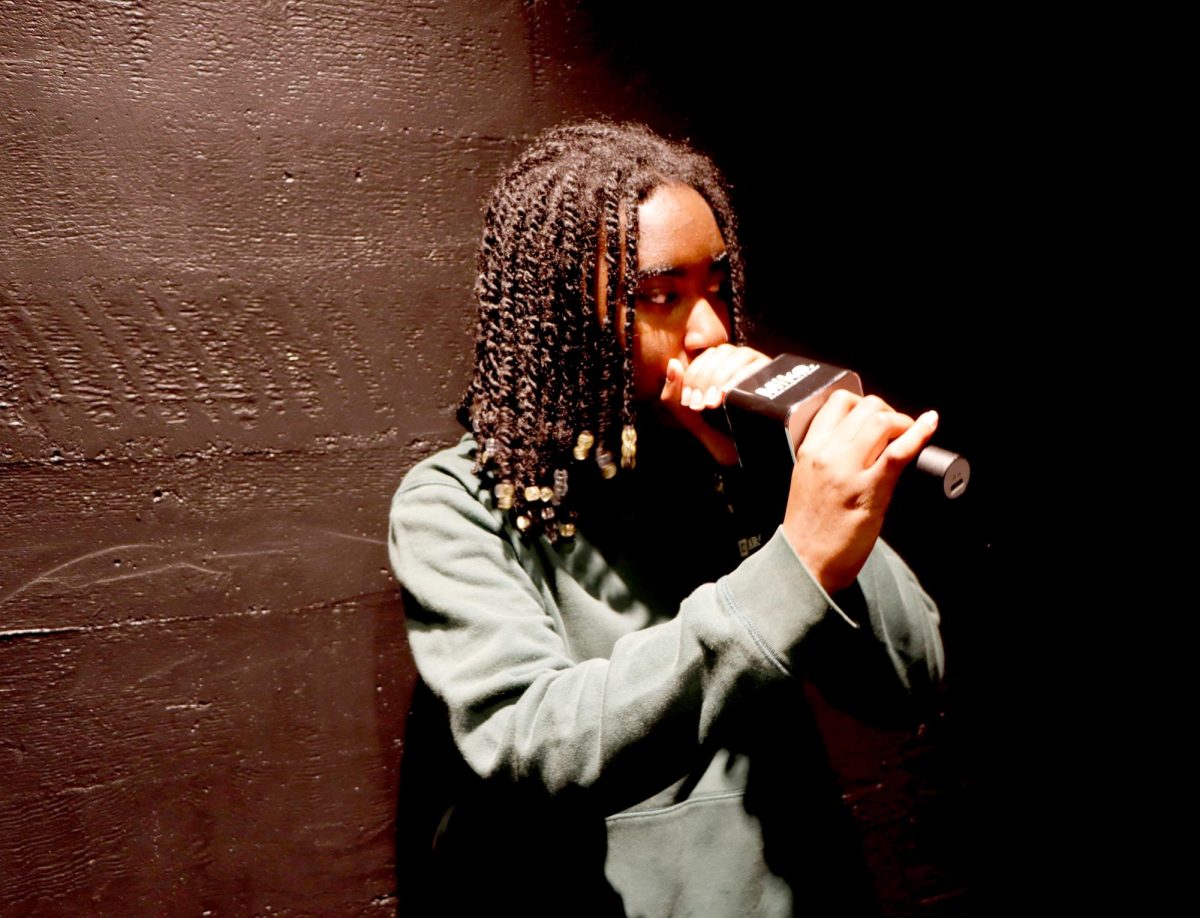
706, 326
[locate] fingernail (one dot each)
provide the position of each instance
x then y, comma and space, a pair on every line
713, 397
931, 419
674, 368
697, 399
685, 397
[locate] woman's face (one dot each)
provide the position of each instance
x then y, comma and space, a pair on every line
680, 287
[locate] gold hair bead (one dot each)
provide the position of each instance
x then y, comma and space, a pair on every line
628, 446
547, 513
604, 459
545, 494
504, 495
532, 493
582, 445
523, 522
489, 450
567, 530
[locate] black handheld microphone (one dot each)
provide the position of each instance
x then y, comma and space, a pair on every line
769, 413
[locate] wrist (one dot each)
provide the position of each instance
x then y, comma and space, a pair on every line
830, 575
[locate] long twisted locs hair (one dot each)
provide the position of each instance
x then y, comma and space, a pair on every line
546, 368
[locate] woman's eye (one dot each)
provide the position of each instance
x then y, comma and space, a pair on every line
658, 297
719, 287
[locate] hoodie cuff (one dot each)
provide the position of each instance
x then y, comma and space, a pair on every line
776, 599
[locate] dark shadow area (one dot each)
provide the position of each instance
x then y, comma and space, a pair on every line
462, 844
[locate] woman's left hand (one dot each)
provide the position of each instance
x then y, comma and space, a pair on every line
701, 385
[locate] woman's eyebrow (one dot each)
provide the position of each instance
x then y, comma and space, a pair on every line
718, 263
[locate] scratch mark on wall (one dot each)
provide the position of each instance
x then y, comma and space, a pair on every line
250, 554
352, 537
143, 622
88, 788
163, 670
150, 571
66, 565
36, 632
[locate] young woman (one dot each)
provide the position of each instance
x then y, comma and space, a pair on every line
623, 686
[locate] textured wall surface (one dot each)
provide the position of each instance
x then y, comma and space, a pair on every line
236, 245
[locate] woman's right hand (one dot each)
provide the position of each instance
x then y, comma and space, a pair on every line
845, 473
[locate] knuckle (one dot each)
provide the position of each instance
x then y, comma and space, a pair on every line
886, 421
810, 457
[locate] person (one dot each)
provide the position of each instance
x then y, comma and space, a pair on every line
624, 690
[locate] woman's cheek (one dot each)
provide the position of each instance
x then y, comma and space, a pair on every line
649, 362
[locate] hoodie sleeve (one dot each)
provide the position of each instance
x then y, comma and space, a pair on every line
612, 730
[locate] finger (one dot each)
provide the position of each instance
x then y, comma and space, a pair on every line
673, 386
678, 386
698, 378
879, 430
837, 406
905, 448
695, 380
720, 446
755, 363
864, 413
708, 372
726, 365
731, 367
870, 426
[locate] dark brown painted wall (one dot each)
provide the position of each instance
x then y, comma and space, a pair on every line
236, 245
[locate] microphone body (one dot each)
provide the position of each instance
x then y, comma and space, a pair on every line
770, 411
